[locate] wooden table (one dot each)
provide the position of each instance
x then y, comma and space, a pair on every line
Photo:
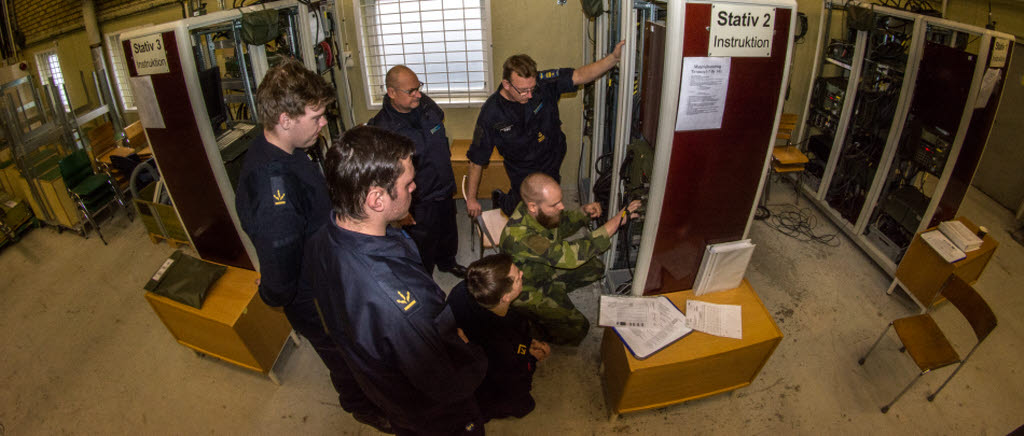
234, 324
493, 176
696, 366
922, 271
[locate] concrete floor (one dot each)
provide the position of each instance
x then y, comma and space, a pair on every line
82, 352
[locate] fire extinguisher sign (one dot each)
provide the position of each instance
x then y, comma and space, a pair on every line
741, 30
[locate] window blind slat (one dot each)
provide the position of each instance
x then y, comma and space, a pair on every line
444, 42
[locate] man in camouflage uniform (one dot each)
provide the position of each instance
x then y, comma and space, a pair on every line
552, 266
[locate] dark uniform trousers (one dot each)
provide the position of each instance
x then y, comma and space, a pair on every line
435, 233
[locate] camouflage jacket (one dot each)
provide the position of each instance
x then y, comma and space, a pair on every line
527, 241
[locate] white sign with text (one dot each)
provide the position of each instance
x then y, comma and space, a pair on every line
149, 55
741, 30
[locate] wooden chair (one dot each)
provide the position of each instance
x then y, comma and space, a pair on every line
925, 342
136, 136
786, 158
488, 226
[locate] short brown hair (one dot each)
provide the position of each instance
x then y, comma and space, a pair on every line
487, 279
520, 64
362, 158
289, 88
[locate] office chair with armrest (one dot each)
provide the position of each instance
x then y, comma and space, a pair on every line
925, 342
488, 225
91, 192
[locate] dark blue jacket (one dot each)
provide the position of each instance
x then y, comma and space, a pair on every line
528, 136
281, 200
396, 333
433, 158
506, 340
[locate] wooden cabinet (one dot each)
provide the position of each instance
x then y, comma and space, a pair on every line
234, 324
696, 366
922, 272
493, 176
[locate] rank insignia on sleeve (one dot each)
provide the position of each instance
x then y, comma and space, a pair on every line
435, 129
522, 349
277, 191
549, 74
405, 300
540, 137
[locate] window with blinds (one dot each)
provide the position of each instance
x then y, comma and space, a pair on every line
446, 42
49, 66
120, 69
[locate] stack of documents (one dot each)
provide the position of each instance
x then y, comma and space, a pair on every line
645, 324
648, 324
723, 266
943, 246
958, 233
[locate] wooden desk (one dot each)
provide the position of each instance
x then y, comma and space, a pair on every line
696, 366
234, 324
493, 176
922, 272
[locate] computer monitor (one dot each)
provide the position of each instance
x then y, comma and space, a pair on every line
213, 97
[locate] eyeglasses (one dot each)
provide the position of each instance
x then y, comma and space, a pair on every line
522, 92
411, 90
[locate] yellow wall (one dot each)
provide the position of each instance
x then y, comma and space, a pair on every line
76, 59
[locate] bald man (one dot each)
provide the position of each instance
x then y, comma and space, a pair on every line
410, 113
552, 266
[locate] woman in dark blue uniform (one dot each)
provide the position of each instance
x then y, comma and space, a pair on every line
481, 307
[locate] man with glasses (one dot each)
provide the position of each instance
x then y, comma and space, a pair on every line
521, 119
408, 112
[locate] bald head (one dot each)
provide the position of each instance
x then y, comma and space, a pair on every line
403, 88
395, 73
543, 198
537, 186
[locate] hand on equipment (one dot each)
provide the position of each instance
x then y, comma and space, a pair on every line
592, 210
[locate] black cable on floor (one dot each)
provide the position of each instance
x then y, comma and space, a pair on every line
799, 224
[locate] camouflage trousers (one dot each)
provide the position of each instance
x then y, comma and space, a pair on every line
545, 302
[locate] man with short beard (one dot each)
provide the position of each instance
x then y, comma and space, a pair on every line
552, 267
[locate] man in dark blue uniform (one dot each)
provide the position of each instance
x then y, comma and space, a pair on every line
281, 200
521, 119
378, 303
410, 113
481, 307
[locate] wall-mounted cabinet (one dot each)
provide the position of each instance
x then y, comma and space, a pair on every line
900, 106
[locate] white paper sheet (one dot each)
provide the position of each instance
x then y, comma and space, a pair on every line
702, 93
715, 319
988, 84
145, 101
666, 325
625, 311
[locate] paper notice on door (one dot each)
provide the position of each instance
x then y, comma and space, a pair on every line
145, 101
702, 93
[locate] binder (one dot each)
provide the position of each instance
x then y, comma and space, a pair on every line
723, 266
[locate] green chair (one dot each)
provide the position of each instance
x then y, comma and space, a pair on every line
90, 191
